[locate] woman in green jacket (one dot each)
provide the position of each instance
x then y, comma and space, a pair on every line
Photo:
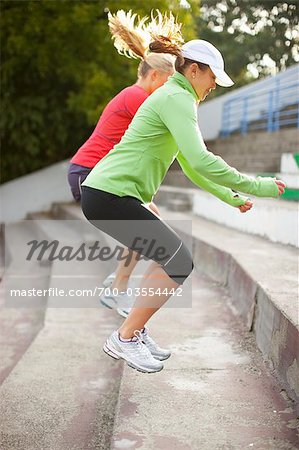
164, 128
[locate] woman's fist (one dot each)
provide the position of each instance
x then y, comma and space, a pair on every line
244, 208
281, 186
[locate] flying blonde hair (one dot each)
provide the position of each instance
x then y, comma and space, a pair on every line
155, 43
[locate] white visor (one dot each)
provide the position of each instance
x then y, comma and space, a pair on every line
222, 79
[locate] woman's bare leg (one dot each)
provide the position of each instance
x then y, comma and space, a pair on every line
145, 306
124, 270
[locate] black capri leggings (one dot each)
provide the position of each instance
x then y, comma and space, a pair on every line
143, 231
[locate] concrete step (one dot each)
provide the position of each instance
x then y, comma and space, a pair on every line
67, 211
66, 226
177, 178
290, 163
71, 272
21, 317
215, 391
262, 278
263, 282
2, 256
50, 229
168, 195
274, 219
63, 392
73, 212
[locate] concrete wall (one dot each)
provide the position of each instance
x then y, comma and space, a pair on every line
273, 219
256, 152
34, 192
276, 220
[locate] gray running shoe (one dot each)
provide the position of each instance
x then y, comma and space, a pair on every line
158, 353
122, 300
124, 312
134, 352
109, 280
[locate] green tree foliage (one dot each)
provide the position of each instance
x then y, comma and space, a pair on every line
251, 32
59, 70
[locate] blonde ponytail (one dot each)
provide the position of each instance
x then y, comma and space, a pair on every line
166, 29
130, 39
156, 43
166, 36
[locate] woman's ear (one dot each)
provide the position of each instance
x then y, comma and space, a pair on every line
154, 75
193, 68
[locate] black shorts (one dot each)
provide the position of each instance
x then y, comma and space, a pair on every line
142, 231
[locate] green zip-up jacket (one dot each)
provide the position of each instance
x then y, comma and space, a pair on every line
164, 128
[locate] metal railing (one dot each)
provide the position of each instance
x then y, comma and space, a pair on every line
267, 109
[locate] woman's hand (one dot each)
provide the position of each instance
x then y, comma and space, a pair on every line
244, 208
281, 186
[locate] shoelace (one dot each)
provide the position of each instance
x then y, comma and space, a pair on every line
140, 348
149, 341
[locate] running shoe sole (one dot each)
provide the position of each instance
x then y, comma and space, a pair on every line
107, 283
108, 305
122, 313
119, 310
116, 355
161, 358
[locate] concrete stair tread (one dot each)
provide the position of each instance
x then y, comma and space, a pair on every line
272, 266
276, 203
214, 392
262, 280
2, 254
277, 275
19, 324
263, 283
274, 219
62, 393
71, 210
54, 229
80, 282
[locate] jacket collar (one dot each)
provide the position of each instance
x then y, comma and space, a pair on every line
182, 81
